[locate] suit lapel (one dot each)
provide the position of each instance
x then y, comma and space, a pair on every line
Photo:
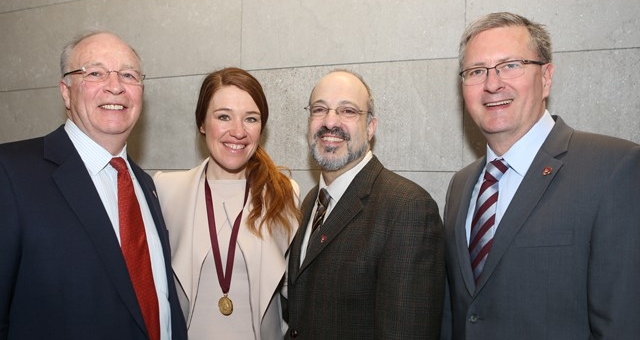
341, 215
533, 186
345, 210
462, 246
296, 245
74, 182
151, 196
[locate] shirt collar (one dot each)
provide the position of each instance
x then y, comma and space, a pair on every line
339, 186
94, 156
521, 154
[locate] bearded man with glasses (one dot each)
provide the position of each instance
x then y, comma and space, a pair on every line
368, 260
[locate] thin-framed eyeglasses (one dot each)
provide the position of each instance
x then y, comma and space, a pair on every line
505, 70
99, 74
345, 112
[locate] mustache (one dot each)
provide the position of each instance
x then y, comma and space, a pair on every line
336, 131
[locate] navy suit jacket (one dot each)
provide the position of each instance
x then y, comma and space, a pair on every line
565, 260
63, 275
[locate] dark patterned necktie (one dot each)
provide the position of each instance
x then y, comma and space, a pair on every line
133, 241
484, 216
321, 210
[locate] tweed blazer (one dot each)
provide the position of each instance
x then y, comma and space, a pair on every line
375, 269
565, 260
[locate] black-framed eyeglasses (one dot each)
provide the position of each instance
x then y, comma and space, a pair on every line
99, 74
505, 70
345, 112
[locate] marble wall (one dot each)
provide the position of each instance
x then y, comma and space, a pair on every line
406, 50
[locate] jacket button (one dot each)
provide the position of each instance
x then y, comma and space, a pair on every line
473, 318
293, 333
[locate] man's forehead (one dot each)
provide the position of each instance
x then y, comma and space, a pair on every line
96, 49
340, 83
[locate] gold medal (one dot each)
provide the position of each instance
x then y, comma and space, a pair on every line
225, 305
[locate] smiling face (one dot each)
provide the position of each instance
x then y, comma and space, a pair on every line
505, 109
337, 145
232, 128
104, 111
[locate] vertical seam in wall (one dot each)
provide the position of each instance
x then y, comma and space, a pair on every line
464, 115
242, 33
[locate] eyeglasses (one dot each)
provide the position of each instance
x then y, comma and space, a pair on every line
505, 70
346, 113
99, 74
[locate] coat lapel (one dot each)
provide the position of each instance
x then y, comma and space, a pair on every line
296, 246
74, 182
462, 247
533, 186
342, 214
194, 243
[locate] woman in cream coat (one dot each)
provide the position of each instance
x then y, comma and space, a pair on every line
243, 184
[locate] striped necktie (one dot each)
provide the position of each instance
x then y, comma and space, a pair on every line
323, 203
484, 216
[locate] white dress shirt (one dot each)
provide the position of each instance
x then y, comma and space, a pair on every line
336, 190
105, 179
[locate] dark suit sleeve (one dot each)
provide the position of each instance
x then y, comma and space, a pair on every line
9, 249
614, 265
411, 271
446, 330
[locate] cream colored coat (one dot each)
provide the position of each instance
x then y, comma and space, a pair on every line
265, 258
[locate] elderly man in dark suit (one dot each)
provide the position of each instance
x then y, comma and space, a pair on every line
544, 243
84, 250
368, 260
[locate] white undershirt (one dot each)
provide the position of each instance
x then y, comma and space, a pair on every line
206, 321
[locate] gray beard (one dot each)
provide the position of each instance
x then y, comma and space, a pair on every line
329, 164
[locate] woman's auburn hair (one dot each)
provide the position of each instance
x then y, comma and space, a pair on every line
272, 195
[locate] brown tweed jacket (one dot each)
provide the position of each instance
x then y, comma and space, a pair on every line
376, 268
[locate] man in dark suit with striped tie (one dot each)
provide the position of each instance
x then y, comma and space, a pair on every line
554, 251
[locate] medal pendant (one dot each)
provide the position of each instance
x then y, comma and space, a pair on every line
225, 305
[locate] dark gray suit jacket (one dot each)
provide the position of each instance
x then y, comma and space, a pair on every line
565, 262
375, 269
63, 275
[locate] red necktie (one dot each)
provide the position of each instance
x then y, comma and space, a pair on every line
133, 241
484, 216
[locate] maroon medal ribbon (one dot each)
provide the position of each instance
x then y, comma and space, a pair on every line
225, 304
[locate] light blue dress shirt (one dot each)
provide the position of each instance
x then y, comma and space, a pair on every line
519, 157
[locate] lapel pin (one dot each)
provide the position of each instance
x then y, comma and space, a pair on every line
547, 170
323, 238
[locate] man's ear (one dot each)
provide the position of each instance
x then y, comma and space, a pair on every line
64, 90
547, 76
371, 127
